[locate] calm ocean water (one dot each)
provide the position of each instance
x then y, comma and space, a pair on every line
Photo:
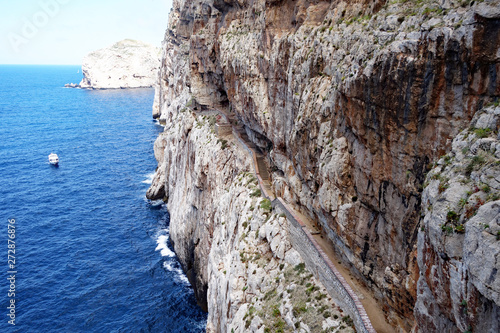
92, 254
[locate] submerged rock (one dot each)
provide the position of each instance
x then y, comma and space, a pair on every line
126, 64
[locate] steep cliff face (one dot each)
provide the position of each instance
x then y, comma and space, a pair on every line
459, 241
349, 101
233, 247
126, 64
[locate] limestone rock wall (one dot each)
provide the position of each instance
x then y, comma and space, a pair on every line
126, 64
350, 101
459, 240
232, 245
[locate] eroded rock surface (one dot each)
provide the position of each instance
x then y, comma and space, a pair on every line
459, 240
126, 64
350, 102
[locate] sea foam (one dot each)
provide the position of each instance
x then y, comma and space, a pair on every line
162, 246
149, 178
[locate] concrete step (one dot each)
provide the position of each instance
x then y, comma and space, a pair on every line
264, 174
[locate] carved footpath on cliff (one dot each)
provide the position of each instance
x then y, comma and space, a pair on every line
302, 240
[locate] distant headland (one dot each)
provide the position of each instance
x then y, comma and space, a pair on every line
125, 64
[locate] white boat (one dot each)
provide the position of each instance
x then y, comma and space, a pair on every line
53, 159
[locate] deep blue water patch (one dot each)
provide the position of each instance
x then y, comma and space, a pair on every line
92, 254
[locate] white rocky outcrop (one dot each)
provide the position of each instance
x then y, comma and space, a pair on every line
125, 64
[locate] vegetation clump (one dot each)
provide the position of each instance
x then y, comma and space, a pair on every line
266, 205
256, 193
482, 132
452, 216
223, 143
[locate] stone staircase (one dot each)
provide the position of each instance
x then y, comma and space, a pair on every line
260, 166
312, 234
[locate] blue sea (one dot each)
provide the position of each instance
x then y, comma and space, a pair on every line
91, 253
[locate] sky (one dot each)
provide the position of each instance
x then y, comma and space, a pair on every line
62, 32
